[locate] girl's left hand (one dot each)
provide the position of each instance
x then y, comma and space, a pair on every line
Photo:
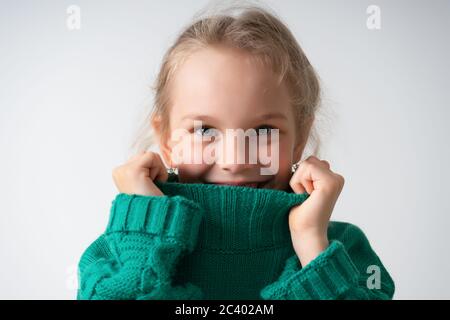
308, 222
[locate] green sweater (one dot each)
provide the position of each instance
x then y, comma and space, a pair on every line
204, 241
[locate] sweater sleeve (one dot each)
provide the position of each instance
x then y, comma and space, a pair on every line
136, 257
347, 269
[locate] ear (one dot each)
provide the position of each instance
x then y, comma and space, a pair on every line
162, 139
298, 148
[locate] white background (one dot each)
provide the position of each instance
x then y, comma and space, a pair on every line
71, 101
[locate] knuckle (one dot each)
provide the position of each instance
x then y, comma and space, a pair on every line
307, 165
149, 154
339, 180
302, 164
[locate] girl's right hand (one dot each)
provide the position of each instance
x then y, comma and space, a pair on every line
136, 176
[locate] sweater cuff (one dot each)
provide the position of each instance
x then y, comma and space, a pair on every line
171, 218
331, 274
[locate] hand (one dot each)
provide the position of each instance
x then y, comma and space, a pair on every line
308, 222
136, 176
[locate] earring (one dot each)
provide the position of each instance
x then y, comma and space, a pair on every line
172, 171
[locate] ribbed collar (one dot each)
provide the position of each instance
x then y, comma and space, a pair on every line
238, 218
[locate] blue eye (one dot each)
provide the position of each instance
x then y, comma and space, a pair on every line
206, 131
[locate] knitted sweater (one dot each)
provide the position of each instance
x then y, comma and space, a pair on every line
204, 241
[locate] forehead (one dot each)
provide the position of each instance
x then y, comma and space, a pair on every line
228, 84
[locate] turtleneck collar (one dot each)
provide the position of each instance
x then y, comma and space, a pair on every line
238, 218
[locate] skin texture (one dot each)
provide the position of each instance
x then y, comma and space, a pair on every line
234, 92
226, 89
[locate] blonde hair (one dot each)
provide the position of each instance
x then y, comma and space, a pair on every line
255, 30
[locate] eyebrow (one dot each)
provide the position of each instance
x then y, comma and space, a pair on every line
267, 116
275, 115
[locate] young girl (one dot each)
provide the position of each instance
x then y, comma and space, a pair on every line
223, 229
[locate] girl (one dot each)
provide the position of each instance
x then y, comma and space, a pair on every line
221, 229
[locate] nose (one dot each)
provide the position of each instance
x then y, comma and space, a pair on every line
236, 157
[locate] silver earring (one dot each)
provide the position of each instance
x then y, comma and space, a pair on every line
295, 166
172, 171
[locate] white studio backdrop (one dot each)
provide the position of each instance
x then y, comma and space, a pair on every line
72, 99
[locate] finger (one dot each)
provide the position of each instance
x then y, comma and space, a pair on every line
322, 163
135, 156
305, 175
314, 175
307, 183
296, 183
153, 162
323, 167
153, 172
297, 188
146, 159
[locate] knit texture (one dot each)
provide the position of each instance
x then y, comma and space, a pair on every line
204, 241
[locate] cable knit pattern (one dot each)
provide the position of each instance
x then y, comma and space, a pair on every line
202, 241
136, 256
